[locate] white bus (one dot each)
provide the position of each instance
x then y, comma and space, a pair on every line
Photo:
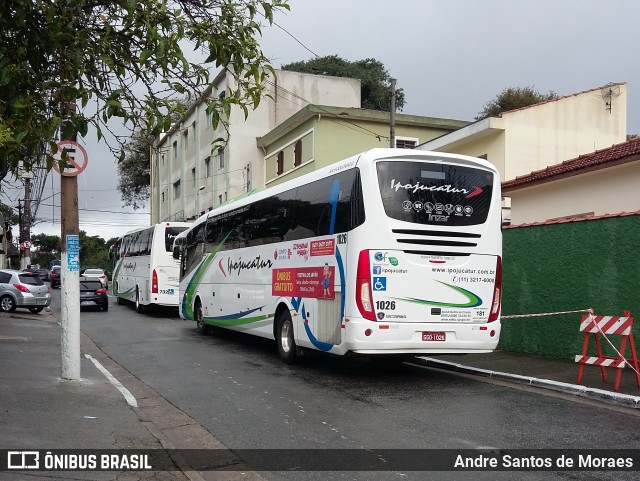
144, 270
392, 251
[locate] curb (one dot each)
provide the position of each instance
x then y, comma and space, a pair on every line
625, 400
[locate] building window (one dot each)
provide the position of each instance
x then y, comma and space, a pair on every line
162, 159
280, 168
162, 196
176, 189
185, 136
297, 154
406, 142
175, 149
193, 177
207, 166
220, 199
220, 158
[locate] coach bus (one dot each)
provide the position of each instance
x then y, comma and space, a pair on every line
389, 252
144, 270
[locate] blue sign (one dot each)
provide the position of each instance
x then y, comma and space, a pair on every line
377, 270
379, 283
73, 252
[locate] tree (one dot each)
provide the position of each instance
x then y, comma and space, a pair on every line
514, 98
93, 251
46, 248
372, 74
134, 170
121, 59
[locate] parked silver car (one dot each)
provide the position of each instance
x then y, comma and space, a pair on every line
23, 289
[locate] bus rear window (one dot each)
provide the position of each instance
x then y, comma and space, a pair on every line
435, 193
170, 234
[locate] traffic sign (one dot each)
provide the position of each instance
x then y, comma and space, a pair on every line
77, 157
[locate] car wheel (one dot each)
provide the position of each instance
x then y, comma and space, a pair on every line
7, 304
139, 306
119, 300
36, 310
287, 348
105, 308
201, 327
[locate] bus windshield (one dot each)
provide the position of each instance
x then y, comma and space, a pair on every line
435, 193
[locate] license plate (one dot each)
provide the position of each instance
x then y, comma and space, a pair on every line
434, 336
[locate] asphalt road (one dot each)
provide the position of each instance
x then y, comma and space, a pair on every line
236, 387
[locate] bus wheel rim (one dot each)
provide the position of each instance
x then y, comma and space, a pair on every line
285, 336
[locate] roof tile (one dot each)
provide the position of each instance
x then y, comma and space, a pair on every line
583, 162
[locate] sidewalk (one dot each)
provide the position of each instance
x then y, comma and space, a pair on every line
40, 411
543, 373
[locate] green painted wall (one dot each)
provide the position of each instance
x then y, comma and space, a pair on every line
565, 267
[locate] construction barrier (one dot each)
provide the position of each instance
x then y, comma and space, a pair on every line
608, 326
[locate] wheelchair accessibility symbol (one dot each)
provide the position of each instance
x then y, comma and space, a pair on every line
379, 283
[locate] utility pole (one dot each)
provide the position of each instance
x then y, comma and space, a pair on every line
70, 240
392, 115
26, 225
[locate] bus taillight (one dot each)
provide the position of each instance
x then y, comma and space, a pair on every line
364, 299
497, 291
154, 282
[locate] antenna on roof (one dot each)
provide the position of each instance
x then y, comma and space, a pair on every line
608, 93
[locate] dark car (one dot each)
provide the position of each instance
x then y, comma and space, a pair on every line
92, 293
38, 271
55, 277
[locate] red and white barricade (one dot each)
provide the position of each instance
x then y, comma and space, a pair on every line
608, 326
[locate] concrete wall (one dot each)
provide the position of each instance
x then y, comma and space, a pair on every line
566, 267
606, 191
559, 130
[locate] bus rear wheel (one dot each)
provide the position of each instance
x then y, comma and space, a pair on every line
287, 348
201, 327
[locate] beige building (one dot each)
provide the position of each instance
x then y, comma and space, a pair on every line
531, 138
595, 184
188, 177
319, 135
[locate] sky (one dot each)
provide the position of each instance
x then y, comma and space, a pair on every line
451, 57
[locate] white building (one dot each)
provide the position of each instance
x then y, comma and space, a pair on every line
188, 177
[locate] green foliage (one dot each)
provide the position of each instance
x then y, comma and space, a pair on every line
125, 58
374, 77
94, 251
134, 169
9, 214
46, 243
514, 98
134, 172
45, 248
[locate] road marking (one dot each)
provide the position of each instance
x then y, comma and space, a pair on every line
125, 392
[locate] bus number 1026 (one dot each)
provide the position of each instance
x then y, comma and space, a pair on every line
385, 305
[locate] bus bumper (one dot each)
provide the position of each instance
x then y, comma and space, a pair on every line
367, 337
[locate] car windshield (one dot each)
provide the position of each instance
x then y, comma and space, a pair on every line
30, 279
90, 285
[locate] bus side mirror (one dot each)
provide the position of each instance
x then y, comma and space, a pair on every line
176, 252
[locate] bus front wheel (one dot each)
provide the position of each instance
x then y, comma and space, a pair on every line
201, 327
287, 348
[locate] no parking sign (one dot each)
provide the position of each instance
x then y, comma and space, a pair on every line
76, 155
